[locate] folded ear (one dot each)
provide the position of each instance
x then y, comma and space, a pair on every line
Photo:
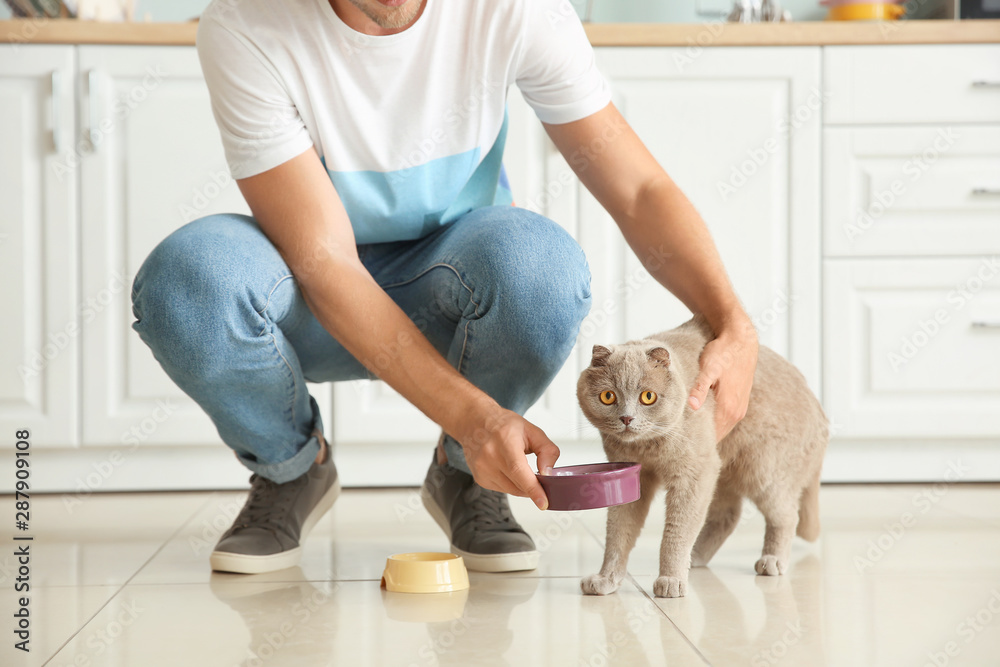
600, 356
659, 356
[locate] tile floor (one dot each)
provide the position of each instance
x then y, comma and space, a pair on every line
123, 580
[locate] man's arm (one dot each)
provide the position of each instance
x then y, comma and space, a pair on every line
299, 210
654, 215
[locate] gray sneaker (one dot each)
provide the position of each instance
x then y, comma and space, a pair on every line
276, 519
477, 521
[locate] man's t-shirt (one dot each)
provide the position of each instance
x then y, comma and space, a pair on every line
411, 126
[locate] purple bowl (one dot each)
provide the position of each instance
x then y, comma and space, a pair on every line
591, 486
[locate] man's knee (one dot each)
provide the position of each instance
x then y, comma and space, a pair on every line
540, 273
188, 275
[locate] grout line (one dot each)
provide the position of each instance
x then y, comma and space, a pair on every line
127, 581
660, 609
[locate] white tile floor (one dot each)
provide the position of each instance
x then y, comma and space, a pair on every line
123, 580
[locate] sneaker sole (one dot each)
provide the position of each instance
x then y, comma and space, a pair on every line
225, 561
518, 561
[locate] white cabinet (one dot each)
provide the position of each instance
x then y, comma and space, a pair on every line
39, 337
911, 224
152, 161
738, 130
916, 344
912, 190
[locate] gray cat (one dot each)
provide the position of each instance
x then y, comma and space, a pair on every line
636, 395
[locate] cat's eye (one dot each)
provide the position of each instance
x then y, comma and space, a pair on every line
647, 397
608, 397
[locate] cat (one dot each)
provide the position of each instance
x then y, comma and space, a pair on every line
636, 394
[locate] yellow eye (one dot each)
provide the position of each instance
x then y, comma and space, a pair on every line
647, 397
607, 397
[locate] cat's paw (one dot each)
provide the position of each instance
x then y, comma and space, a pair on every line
669, 587
770, 566
598, 584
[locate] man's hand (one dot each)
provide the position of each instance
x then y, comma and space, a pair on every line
495, 445
727, 366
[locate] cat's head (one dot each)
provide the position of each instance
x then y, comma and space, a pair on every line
630, 393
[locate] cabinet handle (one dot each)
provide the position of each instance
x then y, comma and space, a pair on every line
985, 191
986, 324
56, 121
982, 83
92, 106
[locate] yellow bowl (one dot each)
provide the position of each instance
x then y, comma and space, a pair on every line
425, 572
866, 11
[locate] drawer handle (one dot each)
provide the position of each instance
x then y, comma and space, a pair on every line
985, 191
92, 108
982, 83
56, 120
986, 324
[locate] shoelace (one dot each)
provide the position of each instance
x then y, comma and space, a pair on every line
267, 505
490, 507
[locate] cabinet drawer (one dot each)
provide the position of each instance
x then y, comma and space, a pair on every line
911, 190
912, 347
912, 84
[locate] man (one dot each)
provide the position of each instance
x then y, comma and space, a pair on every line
367, 137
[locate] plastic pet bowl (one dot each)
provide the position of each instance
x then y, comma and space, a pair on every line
425, 572
591, 486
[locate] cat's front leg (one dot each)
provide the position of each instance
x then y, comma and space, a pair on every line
687, 504
624, 524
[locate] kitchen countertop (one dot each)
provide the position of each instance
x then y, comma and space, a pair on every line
806, 33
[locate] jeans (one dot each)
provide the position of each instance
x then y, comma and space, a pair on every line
500, 293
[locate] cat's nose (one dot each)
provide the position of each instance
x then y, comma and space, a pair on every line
626, 420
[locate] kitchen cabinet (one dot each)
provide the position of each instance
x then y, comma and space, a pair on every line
39, 337
141, 159
911, 305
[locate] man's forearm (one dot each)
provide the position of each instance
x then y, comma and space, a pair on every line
368, 323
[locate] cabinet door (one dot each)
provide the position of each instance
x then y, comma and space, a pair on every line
915, 344
739, 130
153, 161
39, 337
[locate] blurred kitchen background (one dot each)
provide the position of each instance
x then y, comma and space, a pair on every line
599, 11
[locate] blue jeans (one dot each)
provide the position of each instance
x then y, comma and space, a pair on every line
500, 293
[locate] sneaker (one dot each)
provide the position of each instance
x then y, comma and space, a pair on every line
269, 530
477, 521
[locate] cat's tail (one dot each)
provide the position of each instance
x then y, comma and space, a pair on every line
808, 528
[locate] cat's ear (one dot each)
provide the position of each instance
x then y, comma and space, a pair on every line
659, 356
600, 356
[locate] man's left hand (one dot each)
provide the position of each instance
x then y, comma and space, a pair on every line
727, 366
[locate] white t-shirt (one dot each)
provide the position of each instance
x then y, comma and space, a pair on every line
410, 126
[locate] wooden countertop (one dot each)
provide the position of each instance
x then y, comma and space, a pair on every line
806, 33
